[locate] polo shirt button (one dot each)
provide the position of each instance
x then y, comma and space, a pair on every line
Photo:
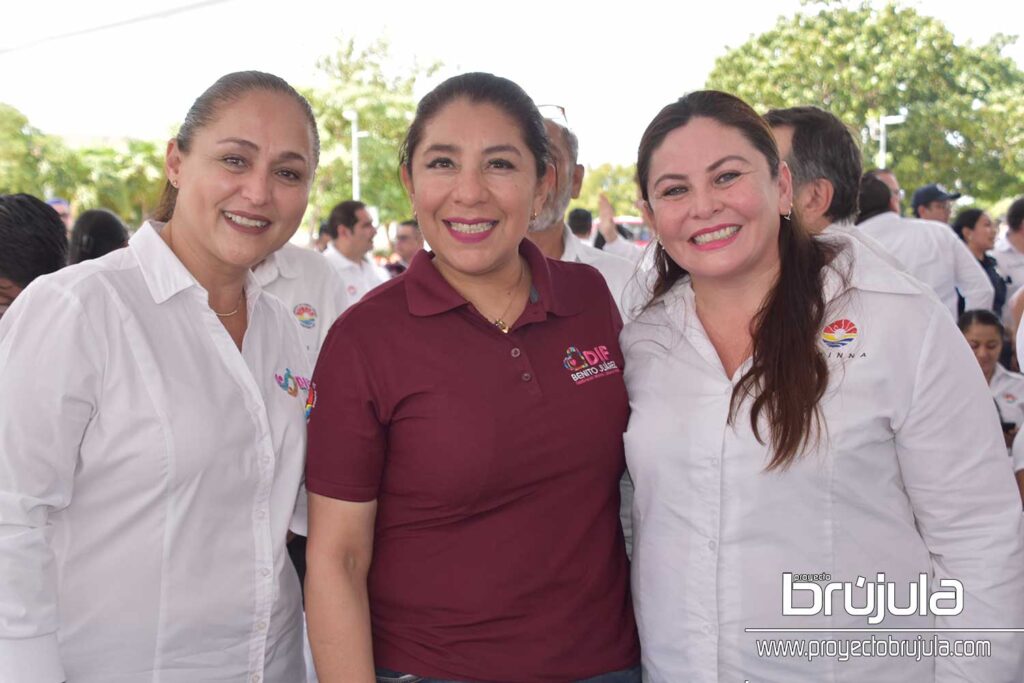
516, 353
527, 377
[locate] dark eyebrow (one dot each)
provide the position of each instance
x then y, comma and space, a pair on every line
452, 149
242, 142
712, 167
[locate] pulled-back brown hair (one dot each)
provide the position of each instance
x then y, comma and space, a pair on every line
227, 89
788, 374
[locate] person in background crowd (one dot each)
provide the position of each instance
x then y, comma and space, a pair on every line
978, 232
824, 160
984, 332
96, 232
33, 242
888, 176
408, 241
323, 237
150, 461
779, 424
549, 231
928, 250
581, 223
1009, 254
63, 209
614, 238
351, 229
933, 203
458, 530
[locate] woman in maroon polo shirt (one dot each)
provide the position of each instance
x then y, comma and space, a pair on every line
466, 434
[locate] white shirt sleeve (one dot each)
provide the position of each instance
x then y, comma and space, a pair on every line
336, 302
624, 248
965, 500
46, 340
971, 280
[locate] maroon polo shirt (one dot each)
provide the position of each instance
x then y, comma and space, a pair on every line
495, 461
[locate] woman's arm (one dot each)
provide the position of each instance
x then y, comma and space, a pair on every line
337, 607
50, 372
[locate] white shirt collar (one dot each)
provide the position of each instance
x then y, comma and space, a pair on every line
164, 274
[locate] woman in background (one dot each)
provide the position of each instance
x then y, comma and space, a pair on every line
978, 232
984, 332
96, 232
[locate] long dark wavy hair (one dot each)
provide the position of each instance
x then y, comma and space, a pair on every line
788, 374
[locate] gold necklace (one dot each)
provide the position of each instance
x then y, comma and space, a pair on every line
499, 322
238, 306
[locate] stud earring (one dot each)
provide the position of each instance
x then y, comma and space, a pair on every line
789, 214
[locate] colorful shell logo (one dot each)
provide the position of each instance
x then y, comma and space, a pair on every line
839, 333
574, 360
306, 315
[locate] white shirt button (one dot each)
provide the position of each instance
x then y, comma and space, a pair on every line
256, 678
261, 514
261, 626
712, 545
265, 571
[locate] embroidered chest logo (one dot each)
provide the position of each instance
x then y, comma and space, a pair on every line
306, 315
292, 383
839, 335
351, 289
585, 366
1010, 398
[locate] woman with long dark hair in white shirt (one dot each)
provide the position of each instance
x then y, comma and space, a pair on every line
152, 427
808, 433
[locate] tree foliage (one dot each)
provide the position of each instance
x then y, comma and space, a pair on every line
617, 182
965, 119
362, 80
126, 178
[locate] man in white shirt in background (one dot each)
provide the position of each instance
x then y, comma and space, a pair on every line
549, 231
1009, 249
928, 250
933, 203
408, 241
352, 231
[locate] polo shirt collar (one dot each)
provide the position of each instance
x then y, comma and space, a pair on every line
163, 273
428, 293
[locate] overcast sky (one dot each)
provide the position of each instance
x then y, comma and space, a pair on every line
612, 71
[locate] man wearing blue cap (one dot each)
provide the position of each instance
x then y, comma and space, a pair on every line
934, 203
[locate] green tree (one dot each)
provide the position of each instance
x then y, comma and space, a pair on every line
617, 182
362, 80
965, 119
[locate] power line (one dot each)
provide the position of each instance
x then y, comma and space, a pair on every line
116, 24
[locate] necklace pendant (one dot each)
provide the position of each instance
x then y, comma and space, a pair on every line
500, 324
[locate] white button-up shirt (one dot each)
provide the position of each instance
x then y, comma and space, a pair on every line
910, 476
1010, 263
357, 278
308, 287
616, 271
148, 474
932, 253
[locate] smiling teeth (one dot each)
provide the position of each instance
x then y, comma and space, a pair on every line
247, 222
722, 234
470, 228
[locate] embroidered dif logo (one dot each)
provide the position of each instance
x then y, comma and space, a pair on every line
839, 333
588, 365
306, 315
290, 383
